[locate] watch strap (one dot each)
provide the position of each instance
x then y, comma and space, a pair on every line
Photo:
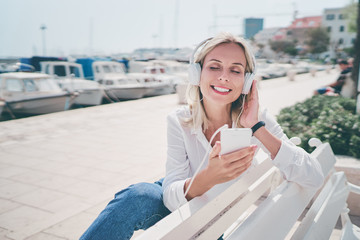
257, 126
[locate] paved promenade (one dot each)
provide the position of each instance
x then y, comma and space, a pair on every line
58, 171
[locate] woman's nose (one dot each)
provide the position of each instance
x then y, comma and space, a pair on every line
224, 77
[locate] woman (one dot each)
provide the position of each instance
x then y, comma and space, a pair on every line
225, 60
218, 100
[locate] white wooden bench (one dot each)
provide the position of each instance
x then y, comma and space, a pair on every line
235, 211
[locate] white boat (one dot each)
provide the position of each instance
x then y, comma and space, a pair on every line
119, 85
160, 74
33, 93
70, 76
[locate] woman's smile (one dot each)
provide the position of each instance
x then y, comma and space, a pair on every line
221, 90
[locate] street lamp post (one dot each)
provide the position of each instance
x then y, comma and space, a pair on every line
43, 28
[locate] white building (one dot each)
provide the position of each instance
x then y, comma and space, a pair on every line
336, 23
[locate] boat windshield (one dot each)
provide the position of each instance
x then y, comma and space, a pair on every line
75, 70
118, 69
14, 85
107, 69
47, 84
30, 85
60, 71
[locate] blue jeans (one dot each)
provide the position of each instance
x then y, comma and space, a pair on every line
137, 207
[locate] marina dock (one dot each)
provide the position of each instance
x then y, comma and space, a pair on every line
58, 171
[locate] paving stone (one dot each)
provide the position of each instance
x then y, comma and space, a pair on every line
56, 182
11, 190
7, 205
22, 217
39, 197
45, 236
73, 227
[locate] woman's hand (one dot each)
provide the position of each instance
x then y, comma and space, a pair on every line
228, 166
250, 115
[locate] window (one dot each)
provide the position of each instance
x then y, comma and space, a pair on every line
343, 16
329, 29
46, 84
14, 85
311, 23
118, 69
30, 85
341, 29
341, 41
109, 82
299, 24
47, 69
60, 71
330, 16
75, 71
107, 69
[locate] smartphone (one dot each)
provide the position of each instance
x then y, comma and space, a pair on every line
233, 139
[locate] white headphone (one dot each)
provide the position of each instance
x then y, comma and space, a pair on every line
194, 70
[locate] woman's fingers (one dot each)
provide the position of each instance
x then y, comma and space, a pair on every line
239, 154
242, 162
215, 150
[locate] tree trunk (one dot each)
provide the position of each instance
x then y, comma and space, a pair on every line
355, 70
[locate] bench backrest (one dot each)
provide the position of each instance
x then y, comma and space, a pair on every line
277, 215
208, 218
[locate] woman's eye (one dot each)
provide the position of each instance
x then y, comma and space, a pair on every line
236, 72
214, 68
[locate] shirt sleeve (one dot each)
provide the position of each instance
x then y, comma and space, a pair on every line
177, 165
295, 163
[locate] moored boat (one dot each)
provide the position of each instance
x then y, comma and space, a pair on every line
32, 94
118, 85
70, 77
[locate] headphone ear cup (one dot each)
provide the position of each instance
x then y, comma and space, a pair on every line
194, 72
249, 78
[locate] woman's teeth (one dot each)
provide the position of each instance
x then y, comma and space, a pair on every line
219, 89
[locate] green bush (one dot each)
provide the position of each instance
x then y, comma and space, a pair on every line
331, 119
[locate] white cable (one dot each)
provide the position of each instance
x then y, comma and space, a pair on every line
241, 111
203, 160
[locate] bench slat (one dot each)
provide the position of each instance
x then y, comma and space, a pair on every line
321, 218
228, 218
277, 214
325, 156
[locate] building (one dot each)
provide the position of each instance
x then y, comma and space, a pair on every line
252, 26
335, 21
297, 31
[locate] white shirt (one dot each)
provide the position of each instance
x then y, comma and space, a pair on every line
187, 147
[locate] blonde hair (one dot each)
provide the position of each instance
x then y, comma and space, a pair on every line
198, 116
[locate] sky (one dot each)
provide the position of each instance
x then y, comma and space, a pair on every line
105, 27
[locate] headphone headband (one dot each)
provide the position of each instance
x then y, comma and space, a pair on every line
197, 47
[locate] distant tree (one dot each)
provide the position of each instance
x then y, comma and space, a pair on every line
318, 40
350, 13
283, 46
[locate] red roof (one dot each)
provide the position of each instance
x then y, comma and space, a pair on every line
306, 22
